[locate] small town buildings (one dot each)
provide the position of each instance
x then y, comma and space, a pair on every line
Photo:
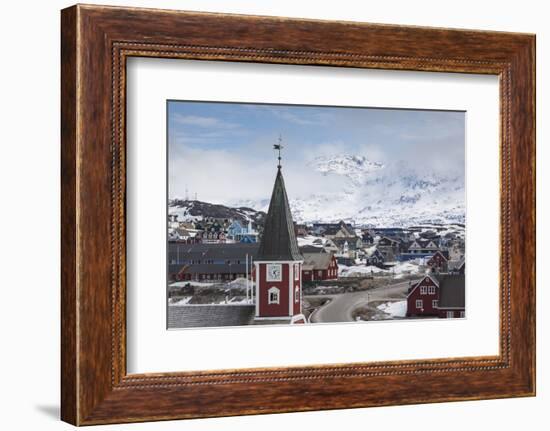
210, 262
211, 232
367, 237
423, 297
212, 237
389, 247
399, 233
238, 233
440, 295
318, 265
185, 235
318, 242
301, 230
421, 248
278, 265
334, 230
438, 262
348, 245
373, 256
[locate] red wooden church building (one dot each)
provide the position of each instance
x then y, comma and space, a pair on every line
278, 265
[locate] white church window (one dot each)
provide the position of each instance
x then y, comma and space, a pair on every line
273, 295
297, 295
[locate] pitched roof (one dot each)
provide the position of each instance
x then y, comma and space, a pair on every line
451, 291
415, 285
213, 251
205, 268
200, 316
455, 265
311, 249
314, 261
442, 255
278, 240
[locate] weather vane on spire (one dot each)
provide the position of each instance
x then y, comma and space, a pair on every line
279, 147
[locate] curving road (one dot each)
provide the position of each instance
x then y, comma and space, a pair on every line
340, 307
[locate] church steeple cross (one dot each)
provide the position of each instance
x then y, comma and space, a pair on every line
279, 147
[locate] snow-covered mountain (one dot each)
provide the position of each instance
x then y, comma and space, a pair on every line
371, 193
382, 194
355, 168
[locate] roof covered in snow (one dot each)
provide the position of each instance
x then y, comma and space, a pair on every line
314, 261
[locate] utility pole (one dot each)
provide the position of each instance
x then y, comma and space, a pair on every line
247, 298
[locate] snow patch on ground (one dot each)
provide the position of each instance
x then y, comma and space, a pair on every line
358, 270
394, 309
399, 270
240, 283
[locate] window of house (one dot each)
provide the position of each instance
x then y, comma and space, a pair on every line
435, 303
462, 314
296, 272
320, 273
273, 295
419, 304
422, 290
297, 295
450, 314
431, 290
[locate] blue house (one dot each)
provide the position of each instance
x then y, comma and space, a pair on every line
238, 233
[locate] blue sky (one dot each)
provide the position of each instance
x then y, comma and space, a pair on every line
223, 151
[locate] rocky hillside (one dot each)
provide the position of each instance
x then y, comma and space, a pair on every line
192, 210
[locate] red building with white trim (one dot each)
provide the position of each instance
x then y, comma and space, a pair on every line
437, 295
278, 265
319, 265
423, 298
438, 262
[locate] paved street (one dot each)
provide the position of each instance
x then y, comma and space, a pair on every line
340, 308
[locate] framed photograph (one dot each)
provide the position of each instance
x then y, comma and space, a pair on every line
331, 214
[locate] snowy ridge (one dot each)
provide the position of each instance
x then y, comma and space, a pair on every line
355, 168
372, 194
377, 194
193, 210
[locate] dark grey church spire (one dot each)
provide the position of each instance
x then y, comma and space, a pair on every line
278, 239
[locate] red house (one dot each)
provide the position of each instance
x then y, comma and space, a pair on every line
319, 266
442, 295
423, 298
278, 265
438, 262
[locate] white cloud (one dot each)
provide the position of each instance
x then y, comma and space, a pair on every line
199, 121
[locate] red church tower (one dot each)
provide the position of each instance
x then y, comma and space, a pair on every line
279, 263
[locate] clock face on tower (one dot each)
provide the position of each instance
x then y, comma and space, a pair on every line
274, 272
